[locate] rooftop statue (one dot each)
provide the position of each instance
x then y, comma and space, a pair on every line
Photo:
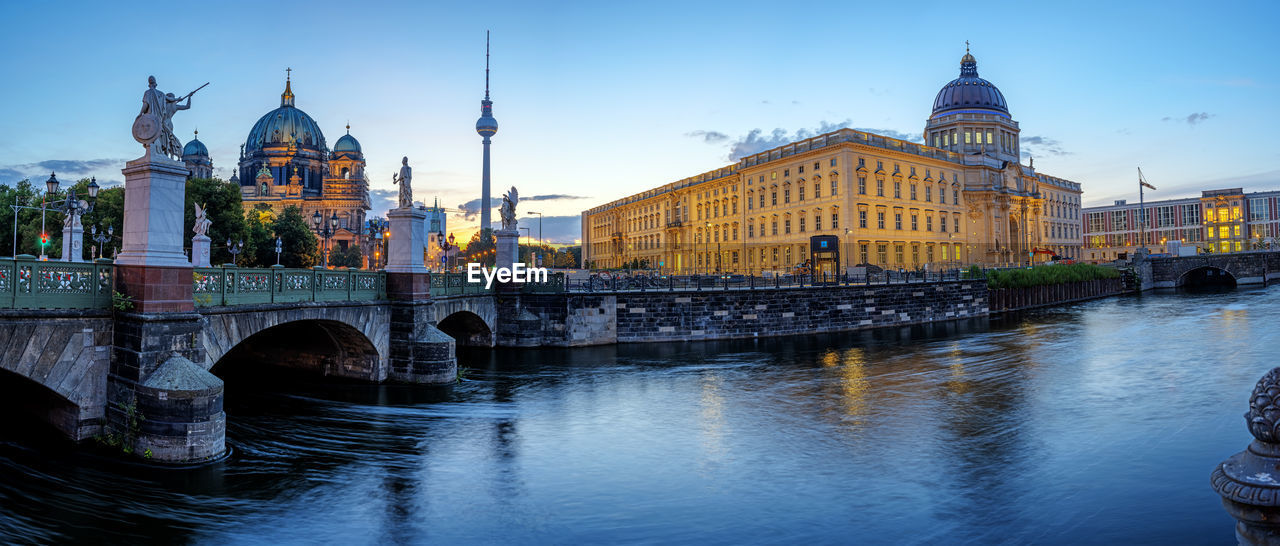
154, 125
404, 179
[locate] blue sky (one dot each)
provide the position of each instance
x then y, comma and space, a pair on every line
598, 100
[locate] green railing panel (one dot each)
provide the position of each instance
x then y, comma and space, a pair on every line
33, 284
245, 286
554, 284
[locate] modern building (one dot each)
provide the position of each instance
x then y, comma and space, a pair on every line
961, 198
285, 162
1225, 220
196, 157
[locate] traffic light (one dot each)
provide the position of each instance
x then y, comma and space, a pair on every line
44, 238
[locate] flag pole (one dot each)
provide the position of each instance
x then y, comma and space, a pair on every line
1142, 212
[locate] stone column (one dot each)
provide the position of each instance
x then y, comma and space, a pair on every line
200, 251
508, 247
73, 240
164, 406
420, 352
1247, 480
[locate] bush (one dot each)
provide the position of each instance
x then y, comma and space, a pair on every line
1047, 275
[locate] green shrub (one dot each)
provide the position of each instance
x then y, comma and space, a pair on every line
1047, 275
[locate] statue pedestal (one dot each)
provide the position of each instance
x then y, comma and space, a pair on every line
73, 241
200, 251
151, 266
406, 250
508, 247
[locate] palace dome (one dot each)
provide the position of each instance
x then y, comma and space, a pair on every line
347, 143
969, 92
284, 125
195, 148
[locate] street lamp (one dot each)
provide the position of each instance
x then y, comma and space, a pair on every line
531, 213
329, 230
452, 249
71, 207
102, 238
235, 249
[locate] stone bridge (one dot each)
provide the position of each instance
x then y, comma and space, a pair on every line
1234, 268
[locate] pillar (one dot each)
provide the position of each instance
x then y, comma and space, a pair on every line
73, 240
508, 247
420, 352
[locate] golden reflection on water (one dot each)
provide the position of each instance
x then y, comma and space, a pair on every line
853, 381
958, 384
712, 404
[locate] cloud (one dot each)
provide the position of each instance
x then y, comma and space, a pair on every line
550, 197
73, 169
710, 137
471, 209
383, 200
1191, 119
757, 141
555, 229
1041, 146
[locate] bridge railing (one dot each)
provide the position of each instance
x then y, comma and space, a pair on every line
28, 283
455, 284
212, 286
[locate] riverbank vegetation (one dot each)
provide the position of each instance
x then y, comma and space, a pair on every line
1047, 275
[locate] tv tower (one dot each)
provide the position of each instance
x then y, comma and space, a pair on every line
487, 127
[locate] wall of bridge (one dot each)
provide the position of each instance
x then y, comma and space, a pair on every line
626, 317
68, 352
1246, 267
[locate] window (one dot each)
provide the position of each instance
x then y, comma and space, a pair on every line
1258, 210
835, 219
761, 198
928, 222
943, 248
751, 231
928, 194
897, 190
775, 225
915, 254
862, 252
773, 198
773, 175
817, 221
942, 223
833, 162
786, 225
802, 217
897, 253
800, 192
862, 185
880, 219
928, 253
913, 191
955, 197
835, 186
800, 170
817, 190
786, 194
955, 223
897, 220
786, 172
862, 219
751, 200
942, 194
915, 222
880, 187
882, 252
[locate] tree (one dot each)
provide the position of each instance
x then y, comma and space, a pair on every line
351, 257
259, 241
479, 249
300, 246
221, 201
108, 214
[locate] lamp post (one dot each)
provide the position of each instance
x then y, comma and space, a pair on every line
71, 207
531, 213
235, 249
453, 249
102, 238
329, 230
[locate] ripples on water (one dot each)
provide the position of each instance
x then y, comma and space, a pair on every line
1097, 422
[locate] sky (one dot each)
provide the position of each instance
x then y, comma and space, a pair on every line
599, 100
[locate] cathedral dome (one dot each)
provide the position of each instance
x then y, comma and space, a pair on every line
347, 143
969, 92
195, 148
285, 125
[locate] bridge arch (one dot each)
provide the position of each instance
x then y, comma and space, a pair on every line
1206, 275
468, 329
344, 340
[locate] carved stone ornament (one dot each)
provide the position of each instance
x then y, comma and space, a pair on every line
1249, 482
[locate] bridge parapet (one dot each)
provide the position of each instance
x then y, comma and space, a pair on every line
223, 286
28, 283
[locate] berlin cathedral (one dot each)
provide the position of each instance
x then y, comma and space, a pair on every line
286, 161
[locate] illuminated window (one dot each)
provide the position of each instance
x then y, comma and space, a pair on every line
1236, 230
1238, 248
968, 137
1224, 232
943, 248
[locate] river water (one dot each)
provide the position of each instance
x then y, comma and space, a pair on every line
1093, 423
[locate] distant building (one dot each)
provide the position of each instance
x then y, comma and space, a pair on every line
1226, 220
962, 197
196, 157
286, 162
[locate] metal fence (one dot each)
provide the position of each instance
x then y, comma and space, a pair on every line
457, 284
640, 283
235, 286
28, 283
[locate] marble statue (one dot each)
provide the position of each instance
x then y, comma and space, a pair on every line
508, 210
203, 222
154, 125
404, 179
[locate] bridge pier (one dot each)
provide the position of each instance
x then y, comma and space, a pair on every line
419, 351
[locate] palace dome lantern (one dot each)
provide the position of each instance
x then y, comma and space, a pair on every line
969, 92
971, 117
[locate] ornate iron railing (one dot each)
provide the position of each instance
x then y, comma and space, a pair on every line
455, 284
28, 283
239, 286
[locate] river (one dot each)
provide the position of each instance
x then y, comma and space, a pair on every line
1097, 422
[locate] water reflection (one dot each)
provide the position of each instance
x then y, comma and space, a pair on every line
1097, 422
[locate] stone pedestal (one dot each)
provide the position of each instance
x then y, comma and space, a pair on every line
73, 240
420, 352
1246, 480
406, 250
508, 247
200, 251
153, 213
157, 398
